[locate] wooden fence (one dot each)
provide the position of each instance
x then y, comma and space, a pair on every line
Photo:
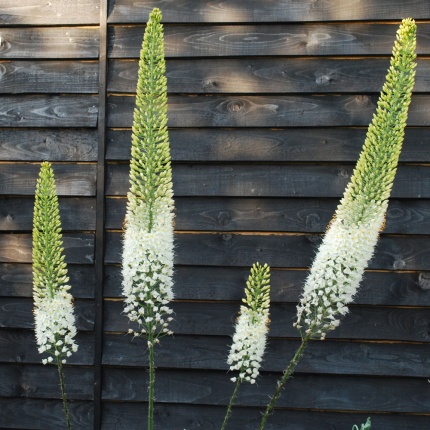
268, 108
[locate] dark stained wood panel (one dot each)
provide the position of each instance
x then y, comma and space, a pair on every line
49, 43
283, 251
255, 11
260, 111
262, 144
48, 77
70, 179
266, 40
268, 214
16, 248
48, 144
39, 12
323, 181
228, 283
268, 75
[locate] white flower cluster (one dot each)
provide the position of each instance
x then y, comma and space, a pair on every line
338, 269
147, 272
249, 343
55, 325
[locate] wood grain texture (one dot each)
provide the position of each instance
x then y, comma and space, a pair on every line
39, 12
260, 111
76, 213
198, 180
283, 251
268, 75
409, 216
266, 40
48, 144
48, 111
262, 144
197, 11
48, 77
328, 357
228, 283
41, 414
49, 43
70, 179
16, 248
16, 280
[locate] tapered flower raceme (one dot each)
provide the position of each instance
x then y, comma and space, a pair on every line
249, 339
148, 237
351, 238
54, 314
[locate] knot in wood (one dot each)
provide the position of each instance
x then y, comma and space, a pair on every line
235, 106
362, 100
223, 218
424, 280
399, 265
227, 237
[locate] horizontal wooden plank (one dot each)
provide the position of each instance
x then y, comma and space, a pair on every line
16, 280
16, 248
235, 11
19, 346
346, 393
266, 214
125, 415
284, 251
265, 111
259, 144
49, 111
76, 213
70, 179
329, 357
48, 144
48, 77
36, 12
268, 75
49, 42
40, 414
198, 180
266, 40
228, 283
42, 382
217, 319
18, 313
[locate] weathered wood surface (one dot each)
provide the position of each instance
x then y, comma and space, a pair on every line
19, 346
70, 179
268, 75
41, 414
404, 216
48, 77
266, 40
282, 251
198, 180
197, 11
39, 12
268, 144
16, 248
217, 319
260, 111
125, 415
324, 392
48, 144
49, 43
327, 357
228, 283
76, 213
49, 111
39, 381
16, 280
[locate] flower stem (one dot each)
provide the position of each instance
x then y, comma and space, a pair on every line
63, 392
232, 399
151, 393
281, 384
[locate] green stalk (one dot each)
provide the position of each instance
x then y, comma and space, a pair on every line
285, 377
63, 392
151, 384
230, 405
